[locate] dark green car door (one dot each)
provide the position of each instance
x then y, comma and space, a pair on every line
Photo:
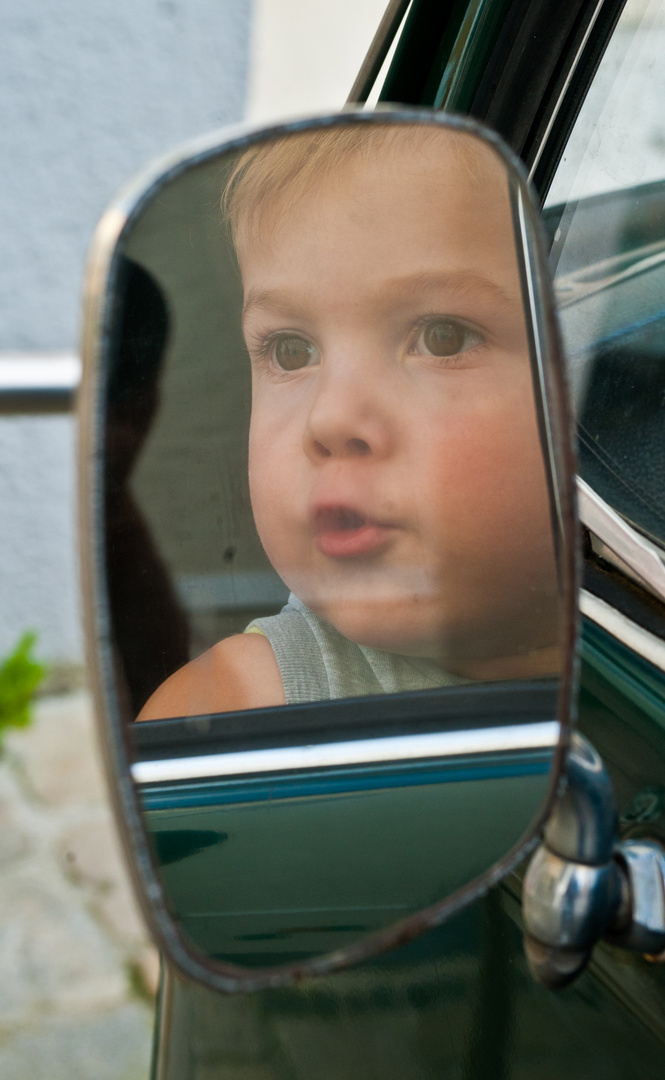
460, 1002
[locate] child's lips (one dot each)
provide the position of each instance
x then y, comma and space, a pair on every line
342, 532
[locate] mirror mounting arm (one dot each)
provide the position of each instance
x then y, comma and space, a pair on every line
583, 885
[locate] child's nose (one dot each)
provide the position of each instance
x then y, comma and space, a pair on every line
347, 421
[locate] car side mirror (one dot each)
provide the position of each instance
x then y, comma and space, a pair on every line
329, 536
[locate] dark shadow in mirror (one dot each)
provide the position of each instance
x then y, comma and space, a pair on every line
150, 629
335, 821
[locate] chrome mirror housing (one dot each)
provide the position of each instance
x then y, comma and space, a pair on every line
330, 545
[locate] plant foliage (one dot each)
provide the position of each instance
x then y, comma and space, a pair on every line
20, 675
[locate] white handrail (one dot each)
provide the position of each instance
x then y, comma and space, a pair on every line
35, 383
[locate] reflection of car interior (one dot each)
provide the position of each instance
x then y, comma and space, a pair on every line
355, 819
608, 255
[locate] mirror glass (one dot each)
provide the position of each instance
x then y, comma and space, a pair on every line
329, 546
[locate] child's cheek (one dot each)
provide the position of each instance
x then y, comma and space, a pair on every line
270, 479
488, 472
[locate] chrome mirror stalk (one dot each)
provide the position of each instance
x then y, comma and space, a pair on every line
643, 866
582, 885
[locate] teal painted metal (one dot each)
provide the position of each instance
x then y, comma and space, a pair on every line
460, 1003
308, 870
635, 678
441, 55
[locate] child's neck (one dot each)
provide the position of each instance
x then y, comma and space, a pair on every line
531, 665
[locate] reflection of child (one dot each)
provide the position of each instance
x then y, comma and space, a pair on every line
396, 476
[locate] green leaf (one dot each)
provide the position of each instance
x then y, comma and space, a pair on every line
20, 675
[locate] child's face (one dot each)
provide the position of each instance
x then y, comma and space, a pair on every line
396, 474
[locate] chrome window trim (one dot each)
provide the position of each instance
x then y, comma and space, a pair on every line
618, 543
639, 640
400, 748
598, 277
564, 89
387, 34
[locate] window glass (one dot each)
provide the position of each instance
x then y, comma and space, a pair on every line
619, 136
606, 213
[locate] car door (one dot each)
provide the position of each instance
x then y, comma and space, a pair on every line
460, 1001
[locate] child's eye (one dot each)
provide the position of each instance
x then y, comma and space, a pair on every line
291, 353
446, 337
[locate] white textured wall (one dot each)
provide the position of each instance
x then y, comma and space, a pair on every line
305, 54
38, 572
89, 92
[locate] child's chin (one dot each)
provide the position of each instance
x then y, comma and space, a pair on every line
386, 631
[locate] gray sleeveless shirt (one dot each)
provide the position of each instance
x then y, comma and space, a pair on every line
317, 663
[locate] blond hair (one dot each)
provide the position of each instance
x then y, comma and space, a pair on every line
286, 168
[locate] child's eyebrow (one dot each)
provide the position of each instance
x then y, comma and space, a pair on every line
277, 299
457, 284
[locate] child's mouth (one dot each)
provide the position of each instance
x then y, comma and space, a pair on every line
343, 533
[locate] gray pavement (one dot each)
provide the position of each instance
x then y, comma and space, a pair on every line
77, 972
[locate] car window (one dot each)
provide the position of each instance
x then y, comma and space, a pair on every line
606, 213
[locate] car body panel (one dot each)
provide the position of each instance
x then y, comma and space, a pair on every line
460, 1001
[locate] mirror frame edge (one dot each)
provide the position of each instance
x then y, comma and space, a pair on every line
193, 965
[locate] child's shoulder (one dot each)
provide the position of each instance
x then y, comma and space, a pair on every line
239, 672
